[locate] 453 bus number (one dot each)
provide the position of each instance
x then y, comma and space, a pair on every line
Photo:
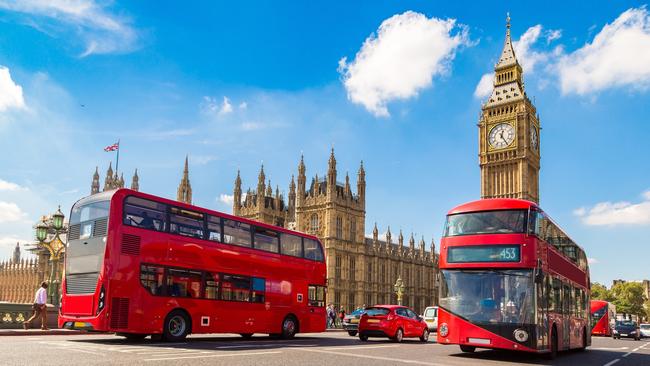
508, 254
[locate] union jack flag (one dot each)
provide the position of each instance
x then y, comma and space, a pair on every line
113, 147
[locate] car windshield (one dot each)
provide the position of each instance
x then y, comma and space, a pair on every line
489, 222
625, 323
645, 326
377, 311
430, 313
497, 296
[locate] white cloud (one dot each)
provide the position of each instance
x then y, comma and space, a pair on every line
10, 212
552, 35
9, 186
101, 31
617, 213
401, 59
226, 107
227, 199
485, 85
211, 106
11, 94
618, 56
592, 260
251, 126
9, 243
243, 105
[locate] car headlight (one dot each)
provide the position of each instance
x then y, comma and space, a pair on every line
443, 330
520, 335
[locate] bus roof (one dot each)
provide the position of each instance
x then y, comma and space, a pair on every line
123, 192
490, 204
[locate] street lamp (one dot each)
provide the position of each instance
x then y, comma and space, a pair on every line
41, 230
57, 219
50, 246
399, 289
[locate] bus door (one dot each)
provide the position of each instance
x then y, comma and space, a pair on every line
566, 316
316, 307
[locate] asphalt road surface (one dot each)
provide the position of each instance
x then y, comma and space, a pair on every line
331, 348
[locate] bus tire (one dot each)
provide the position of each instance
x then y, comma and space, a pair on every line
289, 327
132, 337
467, 349
246, 335
553, 352
584, 340
399, 335
177, 326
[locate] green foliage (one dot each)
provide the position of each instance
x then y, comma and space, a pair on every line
629, 298
600, 292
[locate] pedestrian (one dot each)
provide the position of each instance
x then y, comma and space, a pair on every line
331, 316
341, 315
39, 308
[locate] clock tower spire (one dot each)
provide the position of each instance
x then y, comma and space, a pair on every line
509, 154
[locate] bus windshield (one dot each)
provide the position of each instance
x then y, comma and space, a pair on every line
89, 212
488, 222
496, 296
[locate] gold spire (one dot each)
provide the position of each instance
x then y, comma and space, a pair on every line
184, 193
508, 57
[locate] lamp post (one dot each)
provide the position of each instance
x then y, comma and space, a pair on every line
50, 245
399, 289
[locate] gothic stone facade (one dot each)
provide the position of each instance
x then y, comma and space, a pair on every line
360, 270
509, 133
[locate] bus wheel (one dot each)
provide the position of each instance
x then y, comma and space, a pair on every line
399, 335
467, 349
289, 327
246, 335
584, 340
132, 337
176, 326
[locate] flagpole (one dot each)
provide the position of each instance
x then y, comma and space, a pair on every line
117, 160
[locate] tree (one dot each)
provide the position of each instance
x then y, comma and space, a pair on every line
629, 298
600, 292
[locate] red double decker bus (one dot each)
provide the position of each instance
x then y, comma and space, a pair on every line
142, 265
603, 315
511, 279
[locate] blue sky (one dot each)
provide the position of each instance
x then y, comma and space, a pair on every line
396, 84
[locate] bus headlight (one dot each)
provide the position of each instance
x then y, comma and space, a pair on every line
444, 330
520, 335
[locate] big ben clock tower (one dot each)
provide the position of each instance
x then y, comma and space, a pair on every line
509, 134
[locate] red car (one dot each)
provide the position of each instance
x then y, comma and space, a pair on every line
393, 321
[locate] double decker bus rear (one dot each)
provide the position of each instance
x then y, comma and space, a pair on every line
503, 285
603, 314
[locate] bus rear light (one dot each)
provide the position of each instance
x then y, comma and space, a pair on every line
444, 330
102, 296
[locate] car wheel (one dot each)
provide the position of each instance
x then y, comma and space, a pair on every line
399, 335
363, 337
289, 327
176, 326
467, 349
352, 332
425, 335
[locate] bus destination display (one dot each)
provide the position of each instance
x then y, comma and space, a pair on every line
484, 253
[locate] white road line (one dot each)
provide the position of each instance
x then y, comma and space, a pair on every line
179, 354
183, 351
396, 360
610, 363
352, 347
610, 348
215, 355
627, 354
85, 351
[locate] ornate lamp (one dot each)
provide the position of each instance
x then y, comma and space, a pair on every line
399, 289
57, 219
41, 231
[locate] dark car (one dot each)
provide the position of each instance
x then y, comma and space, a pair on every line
394, 322
626, 329
351, 321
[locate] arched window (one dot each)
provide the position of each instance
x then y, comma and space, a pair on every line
339, 227
314, 224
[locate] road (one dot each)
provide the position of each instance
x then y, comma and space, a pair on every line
331, 348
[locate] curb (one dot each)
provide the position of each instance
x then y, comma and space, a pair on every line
22, 332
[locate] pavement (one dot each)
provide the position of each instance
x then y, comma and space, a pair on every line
329, 348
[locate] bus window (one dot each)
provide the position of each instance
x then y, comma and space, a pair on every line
152, 278
214, 228
265, 239
291, 245
313, 250
237, 233
259, 287
211, 285
235, 288
186, 222
145, 214
183, 283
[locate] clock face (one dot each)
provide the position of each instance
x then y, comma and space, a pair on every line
534, 138
501, 135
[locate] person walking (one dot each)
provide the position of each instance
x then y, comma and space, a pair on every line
39, 308
341, 316
331, 316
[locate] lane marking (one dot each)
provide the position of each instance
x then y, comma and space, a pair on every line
609, 348
610, 363
353, 347
396, 360
186, 351
217, 355
627, 354
85, 351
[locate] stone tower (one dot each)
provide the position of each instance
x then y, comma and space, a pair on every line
94, 186
509, 154
108, 182
262, 204
135, 181
16, 256
184, 193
